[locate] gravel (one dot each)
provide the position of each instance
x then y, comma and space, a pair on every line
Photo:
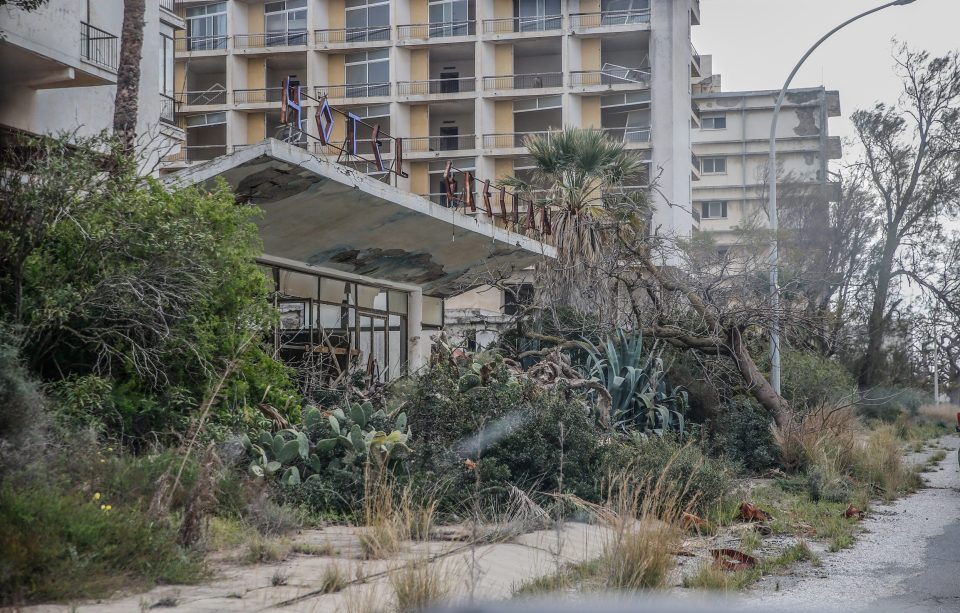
890, 552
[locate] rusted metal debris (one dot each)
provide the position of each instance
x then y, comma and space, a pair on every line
689, 520
853, 512
748, 512
732, 559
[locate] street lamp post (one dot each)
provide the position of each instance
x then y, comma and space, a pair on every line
772, 204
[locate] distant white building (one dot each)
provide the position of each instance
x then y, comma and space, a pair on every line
58, 71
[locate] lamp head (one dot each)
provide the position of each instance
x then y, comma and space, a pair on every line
903, 2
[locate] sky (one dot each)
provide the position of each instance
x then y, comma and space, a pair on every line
756, 43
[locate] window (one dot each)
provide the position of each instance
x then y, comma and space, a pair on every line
516, 298
533, 15
368, 73
166, 66
286, 22
367, 20
713, 209
715, 122
537, 104
207, 26
618, 12
449, 18
206, 119
713, 166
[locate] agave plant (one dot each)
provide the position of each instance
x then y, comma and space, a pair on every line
641, 399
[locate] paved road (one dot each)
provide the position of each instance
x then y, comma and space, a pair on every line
909, 560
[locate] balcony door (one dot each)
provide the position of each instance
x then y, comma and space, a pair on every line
367, 73
367, 20
207, 27
286, 22
449, 18
534, 15
449, 137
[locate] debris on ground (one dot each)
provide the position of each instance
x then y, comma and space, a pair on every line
748, 512
732, 559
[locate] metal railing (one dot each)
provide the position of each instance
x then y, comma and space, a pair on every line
610, 74
99, 47
508, 25
270, 39
510, 140
524, 81
203, 97
352, 35
201, 43
196, 153
459, 199
168, 109
637, 134
456, 142
359, 90
363, 147
437, 86
261, 95
437, 30
168, 5
609, 18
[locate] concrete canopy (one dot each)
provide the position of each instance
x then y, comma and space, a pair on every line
322, 214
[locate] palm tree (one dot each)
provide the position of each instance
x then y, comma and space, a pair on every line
128, 74
580, 176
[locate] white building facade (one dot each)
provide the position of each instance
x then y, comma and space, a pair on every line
58, 71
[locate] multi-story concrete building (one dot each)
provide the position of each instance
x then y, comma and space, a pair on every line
58, 71
732, 144
460, 80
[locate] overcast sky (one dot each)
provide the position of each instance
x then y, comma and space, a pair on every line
755, 44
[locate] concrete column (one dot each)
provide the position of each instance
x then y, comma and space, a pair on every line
418, 343
670, 57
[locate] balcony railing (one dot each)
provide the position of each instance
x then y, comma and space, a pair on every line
508, 25
636, 134
202, 43
168, 110
168, 5
261, 95
610, 74
359, 90
524, 81
454, 142
609, 18
352, 35
511, 140
270, 39
459, 199
436, 86
99, 47
363, 146
437, 30
196, 153
203, 97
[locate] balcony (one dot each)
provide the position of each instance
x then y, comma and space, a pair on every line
424, 144
357, 90
523, 81
99, 47
695, 167
206, 97
695, 66
532, 24
364, 146
347, 36
270, 39
263, 95
168, 110
511, 140
437, 86
196, 153
635, 135
430, 31
202, 43
603, 19
611, 76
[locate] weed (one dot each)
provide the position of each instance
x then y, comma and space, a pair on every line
266, 549
333, 579
315, 549
710, 577
279, 578
385, 530
165, 602
576, 575
420, 584
750, 541
226, 533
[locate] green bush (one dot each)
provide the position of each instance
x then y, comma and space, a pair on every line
22, 416
888, 403
810, 380
741, 433
699, 480
56, 545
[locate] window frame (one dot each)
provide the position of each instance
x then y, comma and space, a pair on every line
712, 119
707, 205
713, 162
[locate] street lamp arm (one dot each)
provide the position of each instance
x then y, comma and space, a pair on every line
772, 204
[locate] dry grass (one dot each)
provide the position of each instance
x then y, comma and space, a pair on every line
878, 461
947, 413
386, 529
325, 549
805, 440
420, 584
333, 579
265, 549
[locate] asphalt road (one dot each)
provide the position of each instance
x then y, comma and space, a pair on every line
908, 560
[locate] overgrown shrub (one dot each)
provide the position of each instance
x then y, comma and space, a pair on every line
22, 416
811, 380
700, 481
741, 433
888, 403
61, 545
